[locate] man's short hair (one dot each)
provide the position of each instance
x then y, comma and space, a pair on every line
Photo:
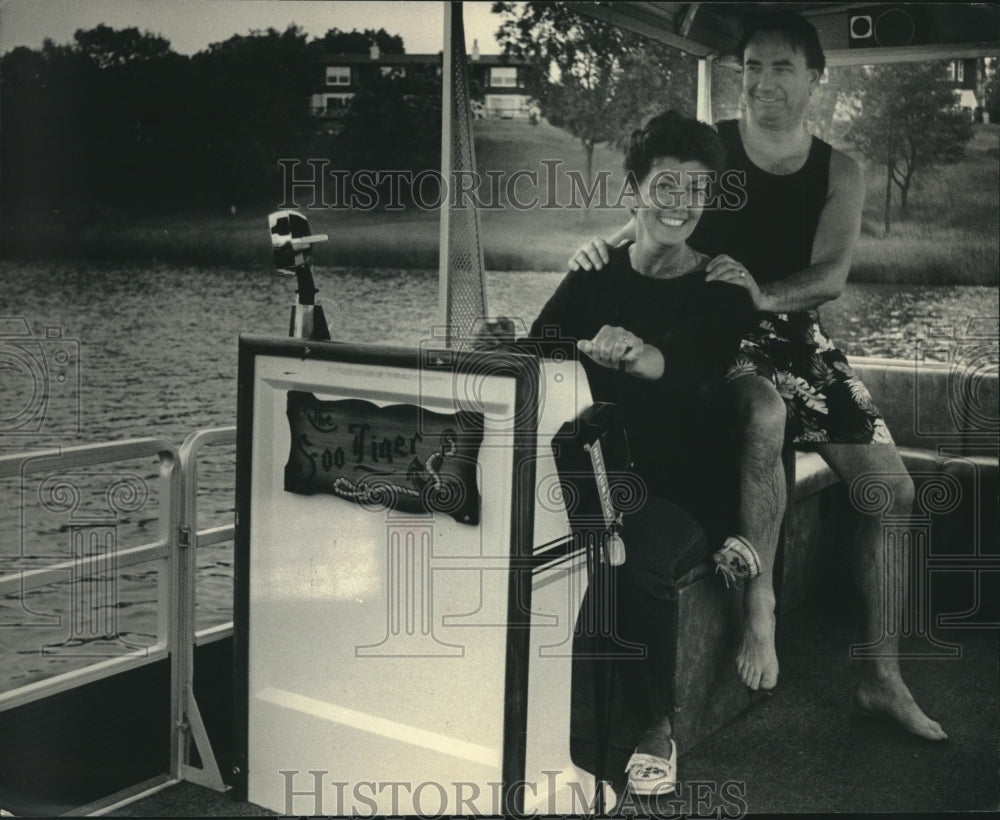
800, 33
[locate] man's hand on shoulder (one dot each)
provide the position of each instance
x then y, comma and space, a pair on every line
596, 253
726, 269
592, 255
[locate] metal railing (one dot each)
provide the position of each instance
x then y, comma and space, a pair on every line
190, 539
86, 563
172, 552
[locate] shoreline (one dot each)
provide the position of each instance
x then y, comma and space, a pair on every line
949, 236
904, 258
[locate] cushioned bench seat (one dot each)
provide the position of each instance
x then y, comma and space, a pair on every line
944, 419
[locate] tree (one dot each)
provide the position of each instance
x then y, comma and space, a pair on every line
393, 123
135, 120
33, 123
594, 80
107, 47
96, 124
251, 98
336, 41
831, 106
115, 122
991, 90
907, 120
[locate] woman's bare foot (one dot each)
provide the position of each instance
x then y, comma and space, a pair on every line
757, 658
889, 697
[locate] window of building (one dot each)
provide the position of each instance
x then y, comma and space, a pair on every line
506, 106
393, 71
331, 105
504, 76
338, 75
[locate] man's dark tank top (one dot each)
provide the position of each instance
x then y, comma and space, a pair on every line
772, 234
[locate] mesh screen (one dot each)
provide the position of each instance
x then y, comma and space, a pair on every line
463, 275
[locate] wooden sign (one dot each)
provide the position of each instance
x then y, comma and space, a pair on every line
399, 457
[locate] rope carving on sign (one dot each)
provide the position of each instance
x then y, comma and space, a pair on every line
400, 456
367, 493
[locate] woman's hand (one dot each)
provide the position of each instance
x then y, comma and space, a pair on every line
591, 256
617, 348
726, 269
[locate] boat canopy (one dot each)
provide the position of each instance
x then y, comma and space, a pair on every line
851, 34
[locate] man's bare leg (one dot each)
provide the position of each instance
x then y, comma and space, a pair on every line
761, 417
881, 689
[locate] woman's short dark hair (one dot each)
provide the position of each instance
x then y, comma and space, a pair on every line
671, 134
800, 33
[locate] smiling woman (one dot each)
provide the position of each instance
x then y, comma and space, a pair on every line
675, 192
657, 339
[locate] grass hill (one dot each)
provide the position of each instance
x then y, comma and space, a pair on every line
951, 233
950, 236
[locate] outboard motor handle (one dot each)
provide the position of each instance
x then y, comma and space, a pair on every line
292, 245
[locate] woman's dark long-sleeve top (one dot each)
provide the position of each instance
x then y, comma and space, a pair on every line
696, 325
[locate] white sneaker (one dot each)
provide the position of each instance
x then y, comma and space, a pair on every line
649, 774
737, 559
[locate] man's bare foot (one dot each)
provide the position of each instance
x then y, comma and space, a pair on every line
757, 659
889, 697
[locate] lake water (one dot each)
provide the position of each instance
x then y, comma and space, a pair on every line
158, 346
156, 352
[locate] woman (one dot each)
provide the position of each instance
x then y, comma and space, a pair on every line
656, 340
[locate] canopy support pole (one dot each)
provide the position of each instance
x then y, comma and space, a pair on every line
704, 107
461, 276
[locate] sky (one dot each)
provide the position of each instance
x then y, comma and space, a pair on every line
190, 25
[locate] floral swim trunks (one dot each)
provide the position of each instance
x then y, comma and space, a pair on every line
826, 401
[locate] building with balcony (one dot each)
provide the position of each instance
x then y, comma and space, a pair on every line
498, 83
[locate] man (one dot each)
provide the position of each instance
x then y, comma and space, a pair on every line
790, 245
